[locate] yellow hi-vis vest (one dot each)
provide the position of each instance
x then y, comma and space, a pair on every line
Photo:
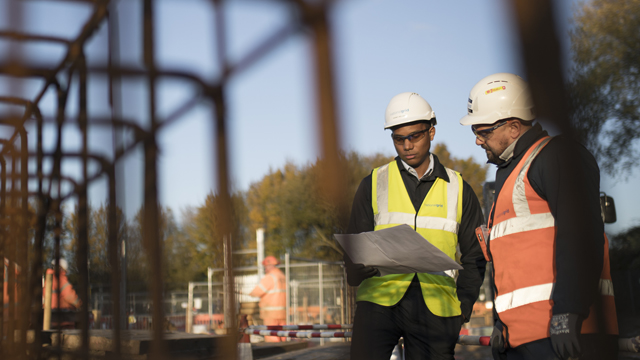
437, 221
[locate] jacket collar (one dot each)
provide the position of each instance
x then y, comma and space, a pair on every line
525, 141
438, 170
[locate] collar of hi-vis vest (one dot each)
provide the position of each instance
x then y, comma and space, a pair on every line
383, 216
522, 219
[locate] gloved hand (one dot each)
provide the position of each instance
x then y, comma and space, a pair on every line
565, 335
497, 342
357, 273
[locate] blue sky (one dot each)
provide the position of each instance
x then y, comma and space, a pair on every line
438, 49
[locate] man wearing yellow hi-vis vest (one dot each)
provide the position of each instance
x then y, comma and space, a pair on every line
425, 309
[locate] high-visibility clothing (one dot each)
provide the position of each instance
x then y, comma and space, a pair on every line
272, 293
6, 271
437, 220
522, 246
68, 298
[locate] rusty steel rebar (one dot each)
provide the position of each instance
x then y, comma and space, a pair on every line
67, 78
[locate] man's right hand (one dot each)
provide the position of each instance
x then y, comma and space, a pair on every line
357, 273
497, 342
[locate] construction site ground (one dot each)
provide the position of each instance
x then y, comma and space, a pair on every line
340, 351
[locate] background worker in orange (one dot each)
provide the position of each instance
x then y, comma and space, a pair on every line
272, 293
64, 292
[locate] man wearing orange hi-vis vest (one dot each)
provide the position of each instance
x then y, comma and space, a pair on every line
545, 234
273, 297
63, 295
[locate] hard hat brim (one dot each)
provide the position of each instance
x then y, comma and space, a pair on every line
478, 120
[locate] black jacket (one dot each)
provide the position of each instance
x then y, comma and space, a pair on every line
470, 279
566, 175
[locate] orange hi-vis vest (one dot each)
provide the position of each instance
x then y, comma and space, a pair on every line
522, 245
68, 298
273, 295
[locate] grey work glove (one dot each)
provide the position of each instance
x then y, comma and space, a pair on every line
565, 335
357, 273
497, 342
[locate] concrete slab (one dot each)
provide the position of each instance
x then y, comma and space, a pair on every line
266, 349
137, 343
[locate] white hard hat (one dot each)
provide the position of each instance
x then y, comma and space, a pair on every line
499, 96
63, 264
408, 107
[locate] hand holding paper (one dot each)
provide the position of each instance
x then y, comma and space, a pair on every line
396, 250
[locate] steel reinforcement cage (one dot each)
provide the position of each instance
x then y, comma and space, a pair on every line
34, 183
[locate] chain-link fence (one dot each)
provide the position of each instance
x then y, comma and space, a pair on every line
316, 293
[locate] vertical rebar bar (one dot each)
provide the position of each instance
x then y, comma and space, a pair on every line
151, 223
82, 251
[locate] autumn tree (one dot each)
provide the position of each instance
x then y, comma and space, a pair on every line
203, 244
287, 203
605, 80
172, 238
98, 241
473, 173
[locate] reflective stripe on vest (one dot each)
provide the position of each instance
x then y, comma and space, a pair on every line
438, 220
275, 288
523, 234
382, 215
273, 301
536, 293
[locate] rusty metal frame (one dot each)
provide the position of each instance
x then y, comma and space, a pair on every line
536, 32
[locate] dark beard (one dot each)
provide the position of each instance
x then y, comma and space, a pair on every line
492, 158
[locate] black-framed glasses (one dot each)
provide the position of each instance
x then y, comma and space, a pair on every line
485, 133
414, 137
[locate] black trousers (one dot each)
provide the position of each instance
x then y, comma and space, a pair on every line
594, 347
377, 329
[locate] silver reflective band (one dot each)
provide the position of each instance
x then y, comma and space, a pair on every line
452, 196
384, 217
273, 291
273, 308
519, 197
382, 190
437, 223
522, 223
537, 293
425, 222
606, 287
524, 296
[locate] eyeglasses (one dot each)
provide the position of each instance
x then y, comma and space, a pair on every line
414, 137
485, 133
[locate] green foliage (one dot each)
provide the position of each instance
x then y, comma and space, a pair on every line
472, 172
605, 80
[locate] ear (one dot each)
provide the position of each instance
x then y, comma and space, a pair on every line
515, 129
432, 133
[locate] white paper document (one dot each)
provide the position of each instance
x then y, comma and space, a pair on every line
396, 250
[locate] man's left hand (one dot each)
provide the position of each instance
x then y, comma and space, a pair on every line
565, 335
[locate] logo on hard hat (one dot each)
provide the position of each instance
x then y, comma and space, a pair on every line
399, 112
490, 91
